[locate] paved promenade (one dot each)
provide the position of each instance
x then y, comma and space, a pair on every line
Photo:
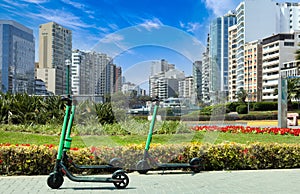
258, 181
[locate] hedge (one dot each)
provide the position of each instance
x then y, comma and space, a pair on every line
39, 160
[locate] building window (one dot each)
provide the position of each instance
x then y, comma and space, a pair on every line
288, 44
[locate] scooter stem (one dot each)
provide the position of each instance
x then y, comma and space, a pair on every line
149, 138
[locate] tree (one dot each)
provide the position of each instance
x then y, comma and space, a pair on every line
293, 90
241, 95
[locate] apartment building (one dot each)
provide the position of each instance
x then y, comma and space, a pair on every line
165, 84
55, 47
277, 50
17, 53
232, 63
251, 16
270, 18
253, 71
289, 17
186, 88
205, 74
94, 73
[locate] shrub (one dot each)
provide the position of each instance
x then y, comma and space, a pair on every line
39, 160
232, 106
242, 109
265, 106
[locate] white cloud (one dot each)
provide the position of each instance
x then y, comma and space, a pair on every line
62, 17
74, 4
81, 7
155, 23
112, 38
221, 7
36, 1
113, 26
13, 4
191, 26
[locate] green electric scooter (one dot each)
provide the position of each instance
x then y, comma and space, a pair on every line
55, 179
148, 163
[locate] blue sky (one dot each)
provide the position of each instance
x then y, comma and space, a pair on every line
133, 32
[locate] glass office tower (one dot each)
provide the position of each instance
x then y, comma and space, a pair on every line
16, 58
218, 53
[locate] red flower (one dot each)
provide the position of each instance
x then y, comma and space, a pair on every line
93, 149
74, 149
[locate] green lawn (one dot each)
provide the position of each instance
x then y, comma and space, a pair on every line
85, 141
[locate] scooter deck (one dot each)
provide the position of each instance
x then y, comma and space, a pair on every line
96, 166
88, 178
173, 165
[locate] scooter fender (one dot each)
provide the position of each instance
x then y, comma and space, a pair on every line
195, 162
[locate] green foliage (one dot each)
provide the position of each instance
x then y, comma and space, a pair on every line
218, 109
265, 106
172, 127
25, 109
241, 95
105, 113
35, 160
232, 106
242, 109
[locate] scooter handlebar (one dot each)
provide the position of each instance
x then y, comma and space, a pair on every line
156, 100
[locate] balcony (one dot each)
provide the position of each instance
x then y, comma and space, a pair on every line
270, 77
270, 70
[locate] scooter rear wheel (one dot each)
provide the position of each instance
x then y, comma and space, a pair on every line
196, 165
122, 178
142, 167
55, 180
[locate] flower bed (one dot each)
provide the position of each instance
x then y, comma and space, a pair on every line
247, 129
39, 160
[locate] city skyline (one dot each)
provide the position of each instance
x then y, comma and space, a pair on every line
98, 22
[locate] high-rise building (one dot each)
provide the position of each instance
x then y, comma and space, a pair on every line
232, 63
165, 84
197, 76
289, 17
55, 47
117, 80
160, 66
186, 88
94, 74
17, 53
253, 71
256, 19
277, 50
205, 74
218, 53
82, 73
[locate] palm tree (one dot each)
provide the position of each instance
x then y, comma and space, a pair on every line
241, 95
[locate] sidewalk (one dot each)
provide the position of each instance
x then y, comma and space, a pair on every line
255, 181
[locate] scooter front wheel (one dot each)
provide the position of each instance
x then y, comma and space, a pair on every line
55, 180
142, 167
116, 163
122, 179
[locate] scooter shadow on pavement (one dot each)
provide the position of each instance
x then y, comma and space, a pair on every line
89, 188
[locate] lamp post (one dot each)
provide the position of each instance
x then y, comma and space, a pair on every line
68, 64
